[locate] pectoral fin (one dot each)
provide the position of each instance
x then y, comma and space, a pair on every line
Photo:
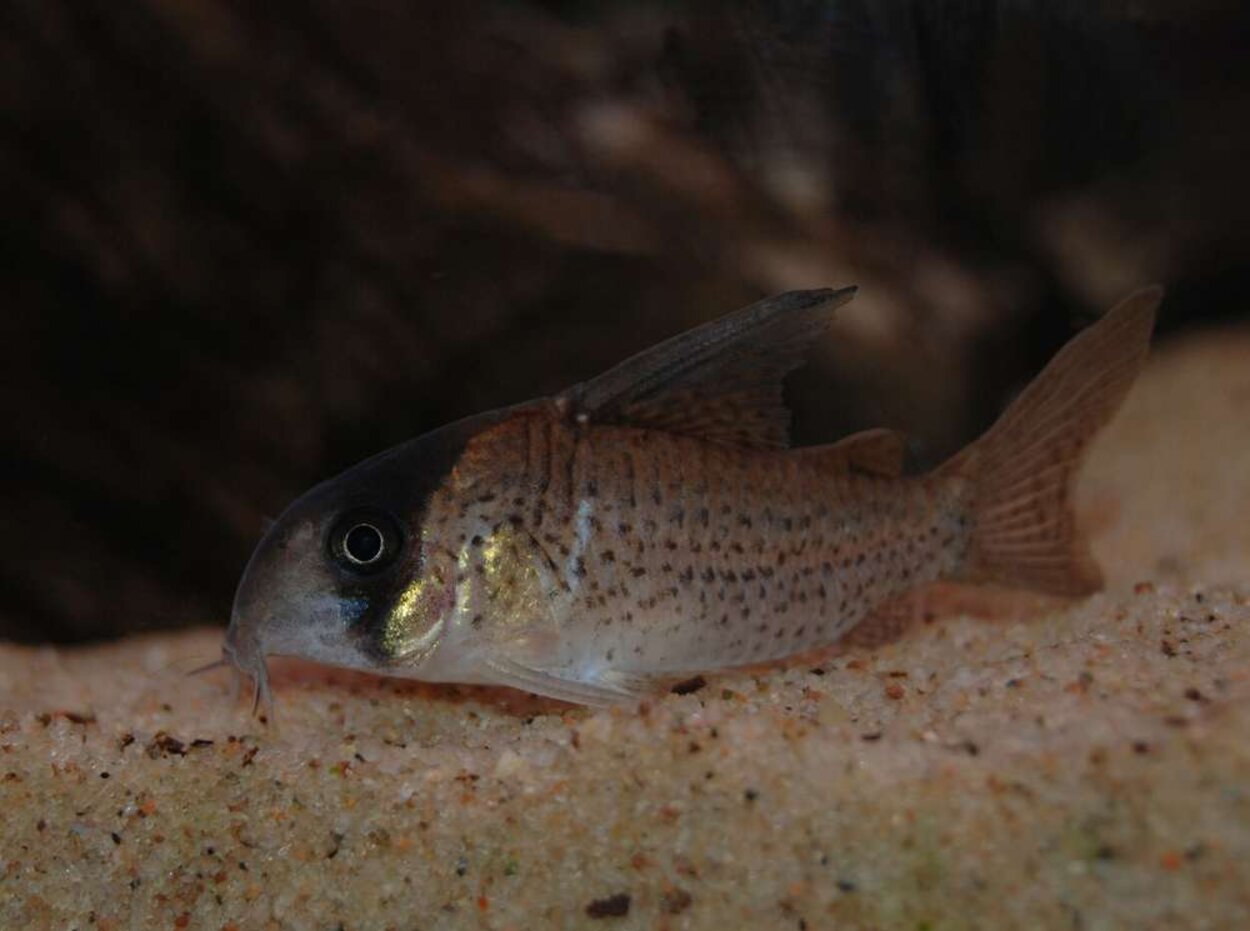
609, 688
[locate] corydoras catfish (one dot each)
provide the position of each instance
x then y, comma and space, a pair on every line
651, 523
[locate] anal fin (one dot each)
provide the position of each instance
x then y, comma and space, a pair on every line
891, 619
888, 621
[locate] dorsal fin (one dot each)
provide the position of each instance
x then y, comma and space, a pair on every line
720, 381
877, 452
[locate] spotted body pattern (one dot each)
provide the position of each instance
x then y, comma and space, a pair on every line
658, 553
650, 523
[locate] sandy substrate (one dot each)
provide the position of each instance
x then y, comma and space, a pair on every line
1086, 768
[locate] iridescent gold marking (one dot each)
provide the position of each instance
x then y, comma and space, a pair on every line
409, 636
513, 584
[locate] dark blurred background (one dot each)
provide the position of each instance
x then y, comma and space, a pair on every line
246, 244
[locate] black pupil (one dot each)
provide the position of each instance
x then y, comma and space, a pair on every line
363, 543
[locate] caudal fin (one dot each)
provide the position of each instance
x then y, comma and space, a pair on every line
1023, 530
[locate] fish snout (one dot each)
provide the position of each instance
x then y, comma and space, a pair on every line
243, 646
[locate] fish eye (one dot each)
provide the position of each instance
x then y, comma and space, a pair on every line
365, 541
363, 544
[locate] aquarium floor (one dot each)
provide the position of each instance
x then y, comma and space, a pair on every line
1075, 766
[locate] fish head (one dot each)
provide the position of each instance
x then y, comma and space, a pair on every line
351, 574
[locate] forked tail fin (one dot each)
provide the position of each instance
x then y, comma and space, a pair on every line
1023, 529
